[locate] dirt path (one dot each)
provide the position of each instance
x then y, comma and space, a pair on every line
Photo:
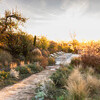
24, 90
66, 58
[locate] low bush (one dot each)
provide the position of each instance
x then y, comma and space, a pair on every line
23, 70
37, 59
48, 91
17, 74
5, 58
60, 76
8, 81
91, 55
91, 61
4, 75
34, 56
37, 52
35, 67
44, 62
53, 92
45, 53
76, 61
51, 61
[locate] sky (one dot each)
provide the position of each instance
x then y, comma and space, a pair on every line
57, 19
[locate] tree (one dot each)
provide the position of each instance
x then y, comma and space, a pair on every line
12, 38
74, 42
20, 44
11, 21
53, 47
43, 43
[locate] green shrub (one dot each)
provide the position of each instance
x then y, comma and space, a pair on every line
60, 76
23, 70
51, 61
35, 55
42, 43
60, 98
37, 58
45, 53
76, 61
35, 67
55, 93
5, 57
4, 75
44, 62
70, 50
49, 92
53, 47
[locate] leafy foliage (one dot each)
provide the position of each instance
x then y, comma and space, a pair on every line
43, 43
76, 61
44, 62
51, 61
60, 77
11, 21
5, 58
53, 47
23, 70
91, 55
35, 67
4, 75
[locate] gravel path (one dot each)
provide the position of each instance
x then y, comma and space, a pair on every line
24, 90
65, 58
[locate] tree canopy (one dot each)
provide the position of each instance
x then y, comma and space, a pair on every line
11, 21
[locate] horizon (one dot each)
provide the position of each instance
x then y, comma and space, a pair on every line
57, 19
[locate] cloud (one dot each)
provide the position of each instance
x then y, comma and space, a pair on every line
58, 16
47, 9
94, 6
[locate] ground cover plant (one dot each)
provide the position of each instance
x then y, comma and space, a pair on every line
18, 73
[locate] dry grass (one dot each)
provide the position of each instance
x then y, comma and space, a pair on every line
77, 86
83, 85
93, 83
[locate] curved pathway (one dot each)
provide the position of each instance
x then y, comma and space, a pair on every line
65, 58
24, 90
